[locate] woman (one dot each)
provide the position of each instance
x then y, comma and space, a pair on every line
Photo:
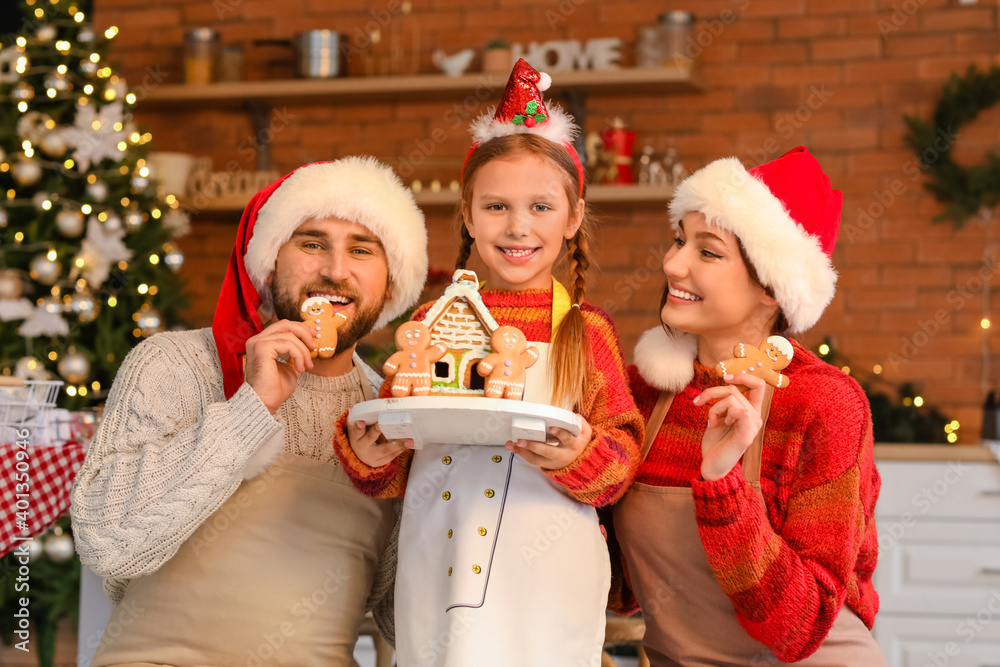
749, 537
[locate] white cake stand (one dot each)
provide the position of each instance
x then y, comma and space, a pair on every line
464, 420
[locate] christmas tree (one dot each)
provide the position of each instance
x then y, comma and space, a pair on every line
87, 267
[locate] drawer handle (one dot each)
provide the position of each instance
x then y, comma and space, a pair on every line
991, 571
990, 493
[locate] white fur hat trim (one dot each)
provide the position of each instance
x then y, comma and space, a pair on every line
359, 189
559, 127
665, 361
787, 259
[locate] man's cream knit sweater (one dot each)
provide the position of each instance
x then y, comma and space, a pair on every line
171, 450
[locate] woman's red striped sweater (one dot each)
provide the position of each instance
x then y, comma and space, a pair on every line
787, 571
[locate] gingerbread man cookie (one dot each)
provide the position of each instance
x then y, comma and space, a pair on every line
504, 367
410, 368
764, 361
318, 312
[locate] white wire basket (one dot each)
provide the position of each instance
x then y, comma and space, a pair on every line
26, 404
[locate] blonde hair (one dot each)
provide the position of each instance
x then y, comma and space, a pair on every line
570, 349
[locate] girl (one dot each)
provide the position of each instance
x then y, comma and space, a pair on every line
501, 558
768, 558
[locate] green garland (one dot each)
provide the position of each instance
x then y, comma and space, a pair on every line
964, 192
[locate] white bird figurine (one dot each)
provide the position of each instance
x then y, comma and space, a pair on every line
453, 65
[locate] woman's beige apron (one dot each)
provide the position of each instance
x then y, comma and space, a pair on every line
689, 619
278, 575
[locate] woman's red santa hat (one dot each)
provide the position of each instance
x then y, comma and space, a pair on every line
358, 189
787, 218
522, 110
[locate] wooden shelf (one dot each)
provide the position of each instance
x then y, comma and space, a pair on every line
597, 194
418, 87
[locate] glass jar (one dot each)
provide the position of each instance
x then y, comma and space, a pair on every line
675, 35
648, 50
199, 55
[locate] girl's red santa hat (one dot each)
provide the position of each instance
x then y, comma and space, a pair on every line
786, 216
358, 189
522, 110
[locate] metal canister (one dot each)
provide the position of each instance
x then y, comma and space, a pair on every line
317, 54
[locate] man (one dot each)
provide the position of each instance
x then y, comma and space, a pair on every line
211, 500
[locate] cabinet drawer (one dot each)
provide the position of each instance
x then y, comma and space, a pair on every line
938, 567
954, 489
952, 642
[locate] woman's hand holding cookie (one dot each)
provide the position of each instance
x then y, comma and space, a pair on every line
733, 423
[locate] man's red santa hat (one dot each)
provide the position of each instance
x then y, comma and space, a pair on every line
358, 189
522, 110
786, 216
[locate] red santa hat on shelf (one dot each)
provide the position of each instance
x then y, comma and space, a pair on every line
787, 217
359, 189
523, 111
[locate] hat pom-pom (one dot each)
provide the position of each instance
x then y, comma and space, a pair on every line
544, 81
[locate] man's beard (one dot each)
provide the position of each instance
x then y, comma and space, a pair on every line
288, 307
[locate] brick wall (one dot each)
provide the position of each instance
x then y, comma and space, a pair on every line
835, 76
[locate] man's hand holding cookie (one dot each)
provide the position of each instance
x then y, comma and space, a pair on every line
276, 357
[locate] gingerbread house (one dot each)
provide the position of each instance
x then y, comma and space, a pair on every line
461, 322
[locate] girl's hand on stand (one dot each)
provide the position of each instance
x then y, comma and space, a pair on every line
733, 423
553, 457
365, 443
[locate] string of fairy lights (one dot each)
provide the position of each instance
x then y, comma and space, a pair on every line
908, 399
100, 134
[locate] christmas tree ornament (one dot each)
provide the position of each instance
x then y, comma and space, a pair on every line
101, 248
93, 135
98, 191
174, 259
44, 270
45, 320
57, 81
10, 284
70, 222
148, 320
139, 183
134, 220
27, 171
74, 367
113, 222
84, 305
8, 65
30, 368
86, 34
35, 550
42, 200
3, 217
177, 221
46, 33
23, 92
89, 67
34, 125
53, 144
59, 548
